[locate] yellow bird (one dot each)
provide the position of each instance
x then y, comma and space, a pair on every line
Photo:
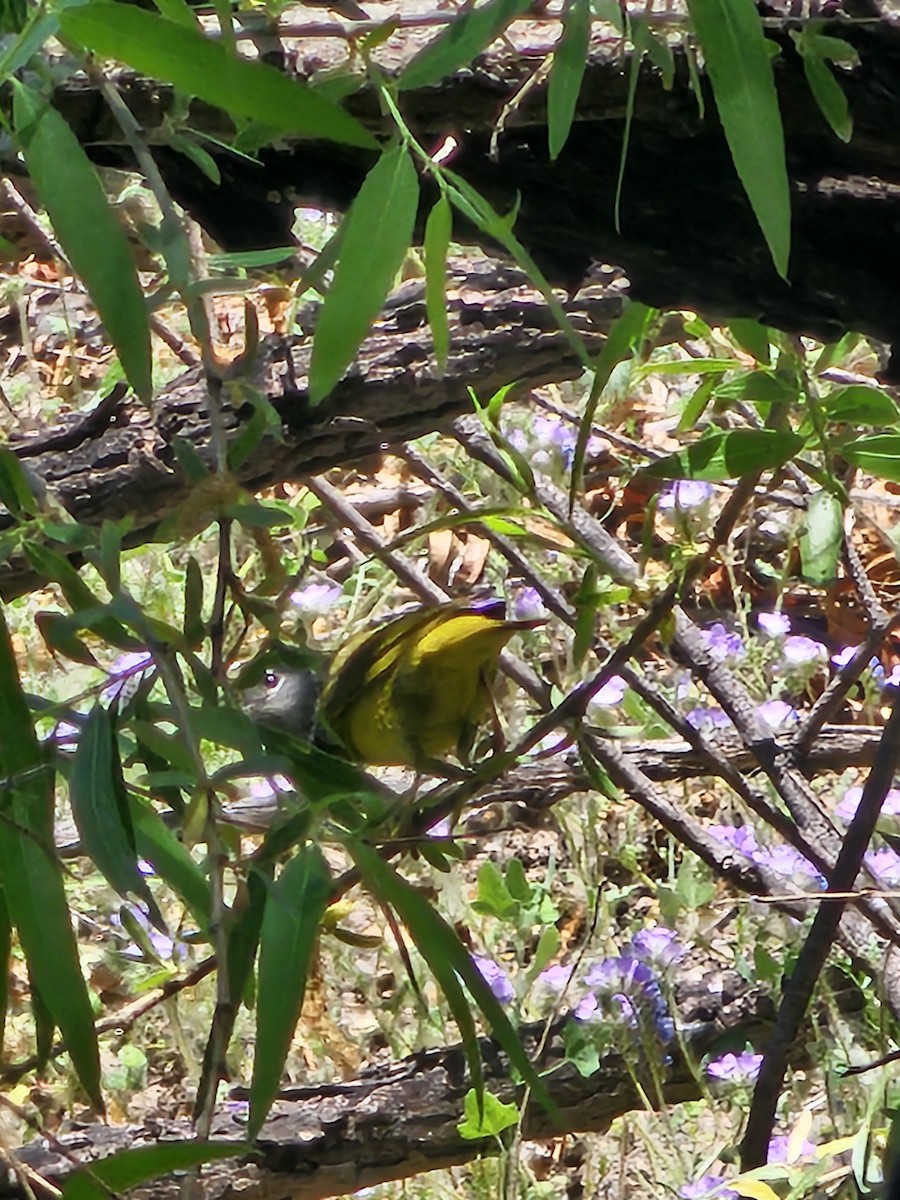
415, 688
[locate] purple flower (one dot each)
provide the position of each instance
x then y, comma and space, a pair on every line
316, 598
843, 656
740, 837
781, 1150
555, 978
708, 1186
611, 694
495, 977
893, 680
846, 809
625, 991
884, 864
528, 605
686, 495
722, 642
790, 864
708, 718
801, 651
552, 435
773, 625
658, 947
777, 712
735, 1068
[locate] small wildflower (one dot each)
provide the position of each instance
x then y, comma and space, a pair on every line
611, 694
801, 651
686, 495
885, 865
626, 990
658, 947
722, 642
790, 864
316, 598
778, 712
735, 1068
555, 978
708, 1185
495, 977
553, 436
708, 718
846, 809
740, 837
843, 656
781, 1150
893, 680
528, 605
773, 625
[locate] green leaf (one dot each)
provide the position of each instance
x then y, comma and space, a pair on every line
820, 544
740, 71
378, 232
16, 491
200, 67
487, 1120
59, 635
193, 624
32, 880
101, 811
5, 950
170, 859
438, 228
567, 72
879, 455
93, 240
625, 335
696, 405
78, 595
718, 456
449, 961
816, 51
493, 897
859, 404
290, 929
128, 1168
757, 387
753, 337
469, 33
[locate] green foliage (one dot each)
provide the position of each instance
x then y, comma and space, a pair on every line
92, 239
740, 71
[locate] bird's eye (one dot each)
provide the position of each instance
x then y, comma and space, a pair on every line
271, 679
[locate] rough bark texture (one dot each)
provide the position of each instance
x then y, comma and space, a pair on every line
686, 236
126, 464
399, 1120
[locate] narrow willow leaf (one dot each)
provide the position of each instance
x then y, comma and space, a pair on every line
170, 859
859, 404
18, 487
128, 1168
820, 544
621, 341
188, 59
740, 71
193, 623
816, 51
290, 928
719, 456
5, 951
378, 231
32, 880
438, 228
101, 811
470, 32
879, 455
753, 337
638, 35
439, 945
567, 72
93, 240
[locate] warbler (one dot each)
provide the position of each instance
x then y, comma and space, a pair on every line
404, 694
415, 688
